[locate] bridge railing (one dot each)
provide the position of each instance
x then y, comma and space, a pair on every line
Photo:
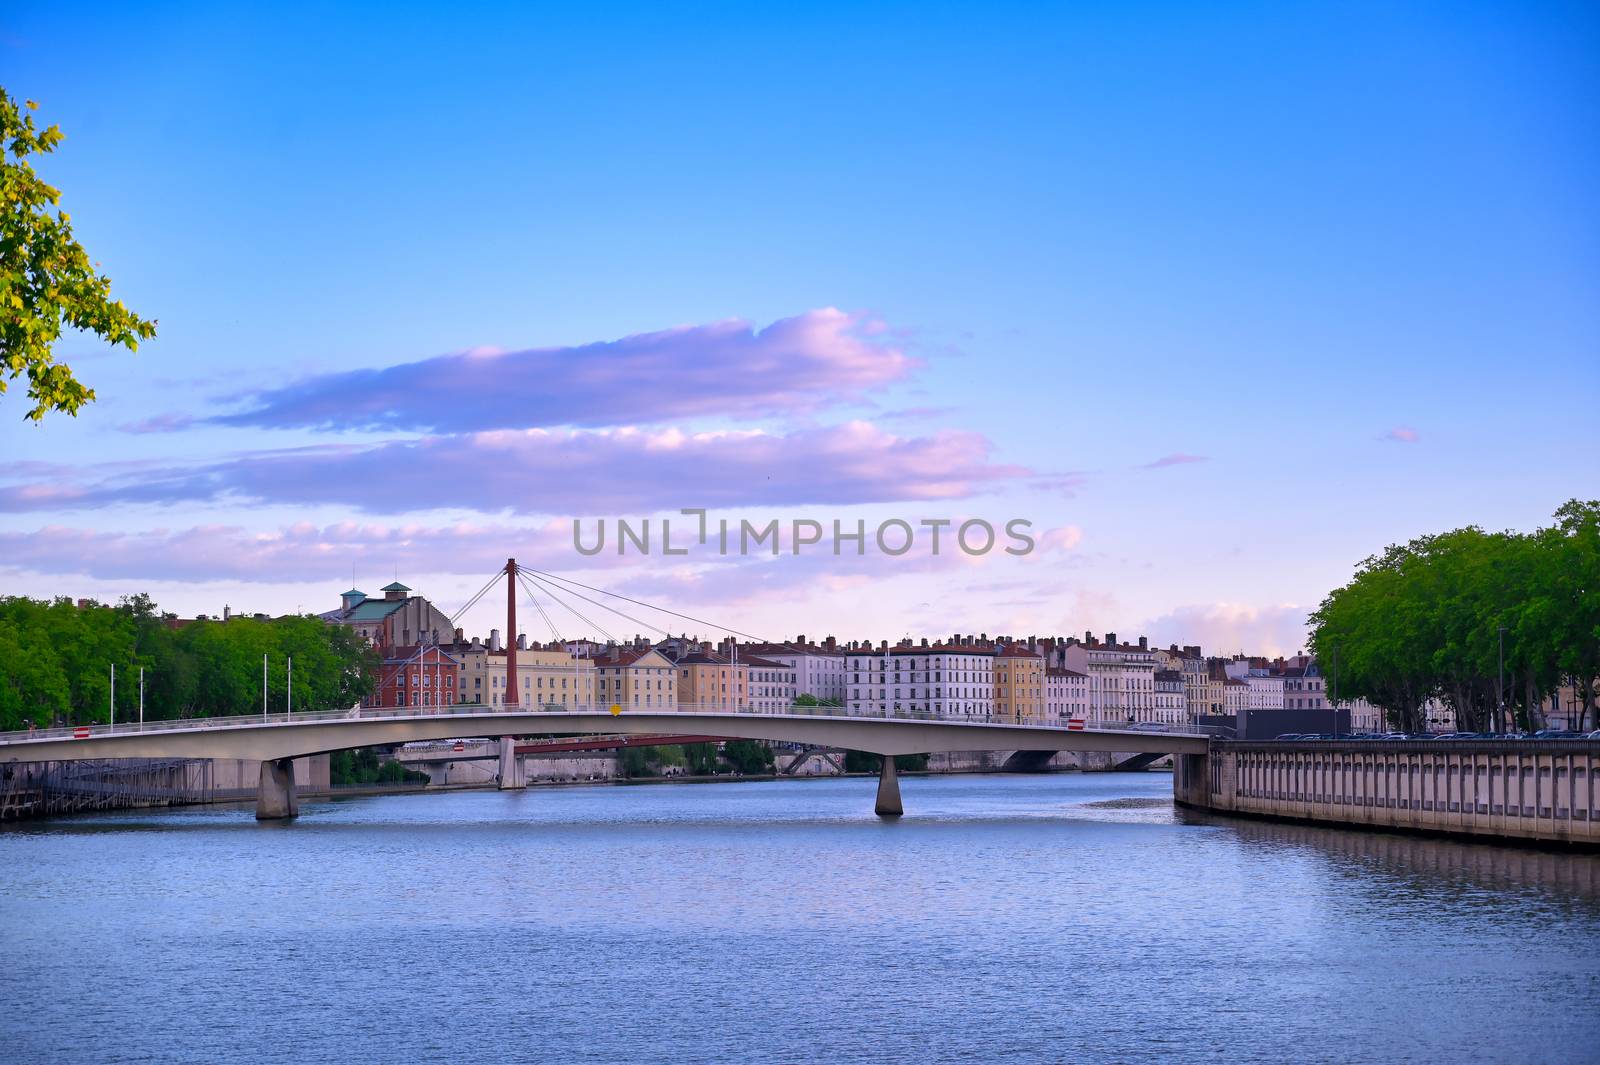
480, 710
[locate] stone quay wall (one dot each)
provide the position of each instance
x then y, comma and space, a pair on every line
1544, 791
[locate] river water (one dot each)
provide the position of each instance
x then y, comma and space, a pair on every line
1073, 918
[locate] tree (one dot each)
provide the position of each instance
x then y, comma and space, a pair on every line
1431, 618
46, 278
748, 756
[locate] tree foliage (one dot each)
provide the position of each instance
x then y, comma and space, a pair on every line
56, 659
46, 278
1426, 620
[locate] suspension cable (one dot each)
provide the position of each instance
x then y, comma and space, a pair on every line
574, 610
650, 606
614, 610
540, 608
473, 601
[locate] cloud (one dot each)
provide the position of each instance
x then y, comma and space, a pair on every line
726, 369
1401, 434
1175, 459
160, 423
300, 552
537, 471
1227, 628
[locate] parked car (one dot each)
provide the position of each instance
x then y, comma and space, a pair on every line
1595, 735
1290, 736
1556, 734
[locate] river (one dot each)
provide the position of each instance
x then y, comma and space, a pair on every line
1069, 917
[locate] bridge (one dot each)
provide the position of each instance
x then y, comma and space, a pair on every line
277, 739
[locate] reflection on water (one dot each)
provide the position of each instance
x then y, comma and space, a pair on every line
1430, 861
1056, 918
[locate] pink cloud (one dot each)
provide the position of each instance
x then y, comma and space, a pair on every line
536, 471
1401, 434
794, 365
1175, 459
1227, 628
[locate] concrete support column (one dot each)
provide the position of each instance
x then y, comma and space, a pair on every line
511, 775
888, 804
275, 798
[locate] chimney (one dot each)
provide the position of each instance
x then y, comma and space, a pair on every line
1088, 637
227, 612
459, 636
476, 641
800, 640
1111, 639
522, 641
924, 641
1144, 643
494, 640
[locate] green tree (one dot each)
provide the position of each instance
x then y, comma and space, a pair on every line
748, 756
46, 278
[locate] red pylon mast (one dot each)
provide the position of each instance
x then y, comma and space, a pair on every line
511, 633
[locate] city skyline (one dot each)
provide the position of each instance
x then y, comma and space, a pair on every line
1217, 344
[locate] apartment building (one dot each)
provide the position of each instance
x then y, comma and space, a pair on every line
1066, 696
939, 680
1018, 685
635, 678
1121, 677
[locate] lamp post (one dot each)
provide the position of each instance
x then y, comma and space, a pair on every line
1500, 685
1335, 692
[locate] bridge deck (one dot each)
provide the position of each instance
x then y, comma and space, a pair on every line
288, 736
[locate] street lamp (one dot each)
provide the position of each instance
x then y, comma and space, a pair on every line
1500, 685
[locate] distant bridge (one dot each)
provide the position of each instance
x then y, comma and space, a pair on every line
277, 739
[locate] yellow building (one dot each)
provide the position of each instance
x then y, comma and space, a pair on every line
709, 680
635, 678
547, 679
1018, 685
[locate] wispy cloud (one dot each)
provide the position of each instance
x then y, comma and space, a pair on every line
160, 423
536, 471
1402, 434
724, 369
1175, 459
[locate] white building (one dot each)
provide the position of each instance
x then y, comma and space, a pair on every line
1171, 707
1066, 696
819, 669
770, 683
1121, 677
943, 680
1235, 696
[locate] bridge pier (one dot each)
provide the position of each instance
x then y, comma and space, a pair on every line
888, 804
275, 798
512, 778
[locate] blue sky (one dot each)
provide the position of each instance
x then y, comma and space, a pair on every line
1266, 236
